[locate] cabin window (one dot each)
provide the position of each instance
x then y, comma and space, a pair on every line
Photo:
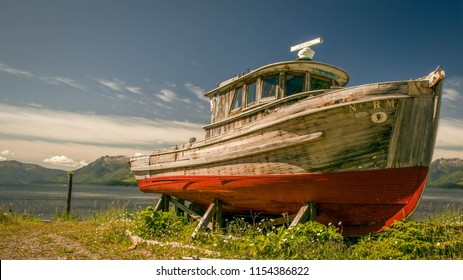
269, 87
251, 93
319, 83
238, 99
294, 84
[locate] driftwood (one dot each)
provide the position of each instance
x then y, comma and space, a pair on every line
136, 240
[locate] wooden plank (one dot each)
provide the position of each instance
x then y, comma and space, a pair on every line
265, 148
307, 212
159, 204
278, 221
347, 127
181, 206
204, 220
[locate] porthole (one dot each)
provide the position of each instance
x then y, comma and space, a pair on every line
379, 117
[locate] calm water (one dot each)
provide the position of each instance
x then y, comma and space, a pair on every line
437, 200
45, 201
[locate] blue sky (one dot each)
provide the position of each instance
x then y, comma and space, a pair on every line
83, 79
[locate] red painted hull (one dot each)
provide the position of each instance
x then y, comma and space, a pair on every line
361, 202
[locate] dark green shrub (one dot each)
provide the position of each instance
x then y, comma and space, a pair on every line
151, 224
408, 240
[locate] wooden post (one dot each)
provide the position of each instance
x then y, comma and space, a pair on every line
185, 209
163, 203
68, 202
204, 220
278, 221
218, 213
159, 204
178, 210
166, 200
213, 212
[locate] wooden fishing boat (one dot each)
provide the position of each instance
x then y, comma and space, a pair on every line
292, 133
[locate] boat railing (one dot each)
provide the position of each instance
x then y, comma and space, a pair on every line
267, 105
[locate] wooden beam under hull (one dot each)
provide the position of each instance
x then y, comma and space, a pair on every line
361, 202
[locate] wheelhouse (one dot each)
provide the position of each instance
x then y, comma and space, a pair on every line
243, 98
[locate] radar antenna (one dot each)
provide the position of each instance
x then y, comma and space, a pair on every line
305, 52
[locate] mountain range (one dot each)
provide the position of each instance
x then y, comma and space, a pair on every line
446, 173
107, 170
114, 170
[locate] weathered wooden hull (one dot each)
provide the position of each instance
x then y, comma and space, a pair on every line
361, 154
360, 202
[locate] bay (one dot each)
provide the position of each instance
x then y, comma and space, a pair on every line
46, 200
438, 200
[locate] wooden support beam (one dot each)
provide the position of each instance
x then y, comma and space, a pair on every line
159, 204
205, 219
181, 206
218, 213
166, 200
178, 210
214, 212
307, 212
163, 203
277, 221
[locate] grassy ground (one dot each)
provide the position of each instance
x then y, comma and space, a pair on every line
118, 234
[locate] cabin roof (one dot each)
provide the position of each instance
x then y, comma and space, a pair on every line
317, 68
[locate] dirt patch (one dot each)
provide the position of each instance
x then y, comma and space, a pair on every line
39, 243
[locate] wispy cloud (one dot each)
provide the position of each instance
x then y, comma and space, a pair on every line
114, 84
133, 89
54, 80
52, 125
451, 94
452, 98
119, 87
197, 91
170, 96
450, 134
67, 81
167, 95
47, 133
453, 89
16, 72
449, 139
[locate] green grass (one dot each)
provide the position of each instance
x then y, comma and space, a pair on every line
437, 238
104, 236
